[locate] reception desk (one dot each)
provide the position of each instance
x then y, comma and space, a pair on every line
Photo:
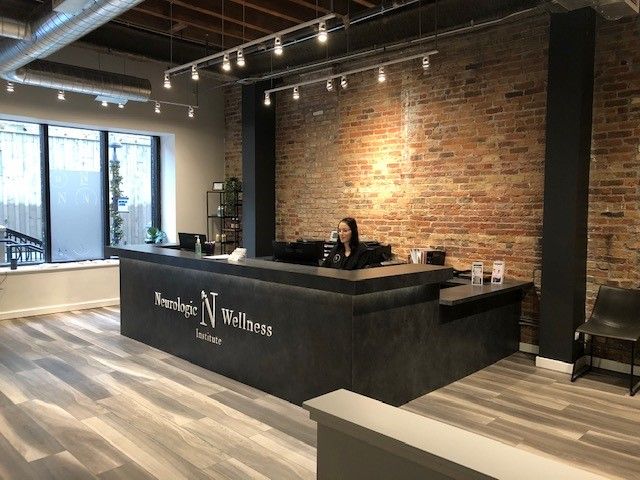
297, 331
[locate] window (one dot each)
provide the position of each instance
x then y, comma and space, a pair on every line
67, 192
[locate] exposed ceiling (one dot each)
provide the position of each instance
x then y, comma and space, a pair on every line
181, 31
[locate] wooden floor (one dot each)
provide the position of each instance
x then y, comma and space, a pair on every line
592, 423
78, 400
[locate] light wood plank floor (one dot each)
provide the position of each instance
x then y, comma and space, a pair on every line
592, 423
78, 400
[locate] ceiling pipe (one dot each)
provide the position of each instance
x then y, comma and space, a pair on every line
15, 29
69, 78
56, 30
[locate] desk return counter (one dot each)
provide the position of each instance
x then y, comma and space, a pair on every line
299, 331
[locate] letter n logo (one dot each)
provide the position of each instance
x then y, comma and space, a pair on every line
210, 307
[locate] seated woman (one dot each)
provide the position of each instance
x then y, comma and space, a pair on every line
349, 253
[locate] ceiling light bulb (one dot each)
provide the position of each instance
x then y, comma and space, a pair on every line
240, 58
190, 112
425, 62
344, 83
226, 64
296, 93
10, 87
157, 108
381, 76
167, 81
104, 103
194, 73
277, 46
322, 32
267, 99
61, 95
120, 105
329, 85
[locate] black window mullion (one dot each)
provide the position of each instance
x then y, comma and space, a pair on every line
156, 217
104, 194
46, 190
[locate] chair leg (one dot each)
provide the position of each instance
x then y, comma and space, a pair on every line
633, 388
587, 368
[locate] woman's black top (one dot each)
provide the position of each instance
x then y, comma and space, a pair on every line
337, 259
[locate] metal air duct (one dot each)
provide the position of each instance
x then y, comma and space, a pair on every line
10, 28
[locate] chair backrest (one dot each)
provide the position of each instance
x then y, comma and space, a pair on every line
616, 307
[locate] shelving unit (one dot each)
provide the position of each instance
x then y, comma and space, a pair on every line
224, 219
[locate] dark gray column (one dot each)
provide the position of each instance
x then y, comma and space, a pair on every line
566, 182
258, 171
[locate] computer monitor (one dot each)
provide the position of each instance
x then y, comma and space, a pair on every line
187, 241
305, 252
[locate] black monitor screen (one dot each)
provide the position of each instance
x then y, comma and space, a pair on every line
303, 253
188, 240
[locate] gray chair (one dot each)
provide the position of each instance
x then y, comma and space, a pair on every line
616, 314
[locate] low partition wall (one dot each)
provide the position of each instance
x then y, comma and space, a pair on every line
360, 439
51, 288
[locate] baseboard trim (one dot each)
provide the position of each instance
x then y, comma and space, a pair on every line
555, 365
64, 307
529, 348
598, 362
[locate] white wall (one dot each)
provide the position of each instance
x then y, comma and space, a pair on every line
192, 149
36, 291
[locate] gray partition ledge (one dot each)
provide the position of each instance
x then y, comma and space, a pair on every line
361, 439
357, 282
466, 293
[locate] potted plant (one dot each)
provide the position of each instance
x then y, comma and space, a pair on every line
155, 235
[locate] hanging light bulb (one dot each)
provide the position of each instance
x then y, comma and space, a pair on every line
167, 81
267, 99
157, 107
226, 64
120, 105
329, 85
344, 83
296, 93
190, 112
194, 73
322, 32
277, 46
426, 63
104, 103
61, 95
240, 58
10, 87
381, 76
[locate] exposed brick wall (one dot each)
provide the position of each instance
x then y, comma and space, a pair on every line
233, 132
614, 193
455, 157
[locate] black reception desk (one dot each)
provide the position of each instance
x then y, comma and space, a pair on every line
298, 332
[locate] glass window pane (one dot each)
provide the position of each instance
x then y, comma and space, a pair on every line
129, 187
21, 227
76, 200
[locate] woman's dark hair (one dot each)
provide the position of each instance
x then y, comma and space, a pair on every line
355, 238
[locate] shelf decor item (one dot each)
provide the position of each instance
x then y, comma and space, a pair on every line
232, 189
217, 186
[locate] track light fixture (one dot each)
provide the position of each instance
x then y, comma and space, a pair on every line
329, 85
296, 93
61, 95
120, 105
104, 103
10, 88
267, 99
240, 58
426, 63
194, 73
277, 46
344, 83
381, 76
190, 112
322, 32
226, 63
167, 81
157, 107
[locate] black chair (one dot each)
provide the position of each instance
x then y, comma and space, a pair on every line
616, 314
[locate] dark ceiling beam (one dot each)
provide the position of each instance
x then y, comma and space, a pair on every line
177, 27
311, 6
364, 3
267, 7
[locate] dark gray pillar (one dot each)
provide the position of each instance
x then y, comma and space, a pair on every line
258, 171
566, 182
